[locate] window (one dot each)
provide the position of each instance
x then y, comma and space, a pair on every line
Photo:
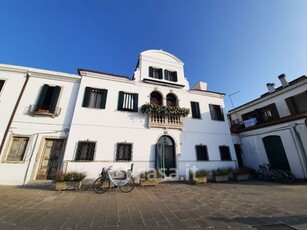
1, 84
17, 149
48, 99
85, 151
95, 98
225, 153
195, 110
128, 101
266, 113
171, 100
298, 103
155, 72
216, 112
170, 75
202, 153
155, 98
124, 152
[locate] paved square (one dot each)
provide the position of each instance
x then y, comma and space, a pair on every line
173, 205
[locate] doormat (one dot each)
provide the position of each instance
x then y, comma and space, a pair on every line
274, 227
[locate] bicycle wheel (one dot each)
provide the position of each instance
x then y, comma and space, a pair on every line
101, 185
290, 177
128, 187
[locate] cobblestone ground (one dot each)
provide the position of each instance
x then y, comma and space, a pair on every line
244, 205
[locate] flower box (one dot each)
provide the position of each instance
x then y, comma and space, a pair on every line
240, 177
67, 185
149, 182
221, 178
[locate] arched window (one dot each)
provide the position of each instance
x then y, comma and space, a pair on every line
171, 100
155, 98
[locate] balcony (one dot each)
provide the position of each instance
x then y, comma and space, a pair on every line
156, 120
45, 110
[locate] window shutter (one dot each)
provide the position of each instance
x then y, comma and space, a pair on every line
104, 98
222, 114
291, 105
86, 97
166, 77
160, 74
212, 112
135, 105
193, 109
41, 97
54, 99
120, 100
150, 71
175, 76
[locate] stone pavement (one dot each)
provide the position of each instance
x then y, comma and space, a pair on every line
176, 205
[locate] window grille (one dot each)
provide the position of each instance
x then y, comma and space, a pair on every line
85, 151
124, 152
17, 149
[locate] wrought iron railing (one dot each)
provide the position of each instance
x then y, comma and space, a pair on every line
44, 110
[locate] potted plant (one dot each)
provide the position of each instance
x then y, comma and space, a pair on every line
221, 174
148, 178
69, 180
166, 110
200, 176
242, 173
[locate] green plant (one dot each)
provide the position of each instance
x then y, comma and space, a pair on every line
166, 110
148, 175
243, 170
70, 176
201, 173
220, 171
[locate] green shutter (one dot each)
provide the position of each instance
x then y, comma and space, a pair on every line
86, 97
41, 98
104, 98
166, 77
120, 100
150, 71
54, 99
135, 105
291, 105
175, 77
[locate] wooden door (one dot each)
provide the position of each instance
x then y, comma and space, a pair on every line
51, 159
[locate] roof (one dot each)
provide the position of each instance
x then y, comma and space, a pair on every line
110, 74
295, 81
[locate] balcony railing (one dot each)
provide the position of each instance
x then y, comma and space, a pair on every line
165, 121
44, 110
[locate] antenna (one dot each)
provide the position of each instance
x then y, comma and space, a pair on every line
231, 99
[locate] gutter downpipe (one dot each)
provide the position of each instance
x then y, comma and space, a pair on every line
14, 112
301, 146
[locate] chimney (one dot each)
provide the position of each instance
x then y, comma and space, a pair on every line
200, 86
283, 80
271, 87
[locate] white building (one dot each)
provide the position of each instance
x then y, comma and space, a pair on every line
272, 129
84, 122
33, 146
108, 127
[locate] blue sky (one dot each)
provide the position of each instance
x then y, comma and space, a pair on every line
233, 45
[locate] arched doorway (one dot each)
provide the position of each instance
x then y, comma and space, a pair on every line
165, 156
276, 152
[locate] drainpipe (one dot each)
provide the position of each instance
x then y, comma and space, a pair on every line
14, 112
301, 146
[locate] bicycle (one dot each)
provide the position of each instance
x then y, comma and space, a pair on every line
266, 172
103, 182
